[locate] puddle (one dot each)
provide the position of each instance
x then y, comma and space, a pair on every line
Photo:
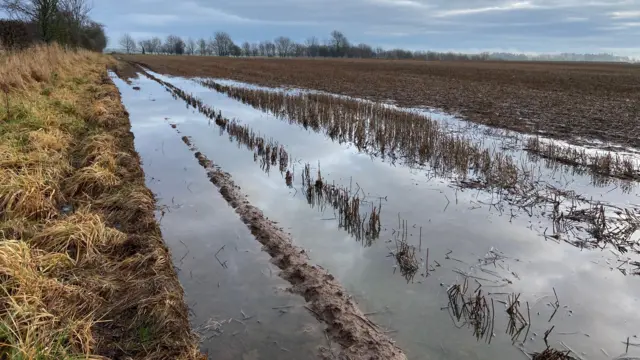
597, 311
242, 308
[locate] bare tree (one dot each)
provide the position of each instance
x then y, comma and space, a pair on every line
174, 45
283, 46
155, 45
246, 49
222, 44
145, 46
43, 13
202, 46
73, 16
313, 46
127, 43
255, 50
270, 49
339, 43
190, 46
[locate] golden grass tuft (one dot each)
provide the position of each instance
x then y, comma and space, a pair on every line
36, 321
28, 194
49, 140
92, 179
82, 234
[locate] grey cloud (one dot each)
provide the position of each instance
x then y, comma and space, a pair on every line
541, 25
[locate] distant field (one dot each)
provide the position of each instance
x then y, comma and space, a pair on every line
563, 100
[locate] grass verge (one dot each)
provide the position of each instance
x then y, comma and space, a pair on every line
83, 269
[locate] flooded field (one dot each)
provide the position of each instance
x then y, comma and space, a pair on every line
452, 238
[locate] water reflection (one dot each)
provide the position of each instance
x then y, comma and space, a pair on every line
241, 310
598, 302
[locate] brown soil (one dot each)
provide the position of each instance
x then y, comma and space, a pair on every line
359, 337
563, 100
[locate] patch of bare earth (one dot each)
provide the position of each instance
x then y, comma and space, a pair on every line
561, 100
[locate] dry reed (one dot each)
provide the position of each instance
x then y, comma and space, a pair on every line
599, 166
377, 129
472, 310
363, 226
552, 354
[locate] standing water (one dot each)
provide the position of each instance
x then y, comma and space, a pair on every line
586, 298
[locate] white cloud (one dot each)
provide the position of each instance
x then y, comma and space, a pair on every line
576, 19
625, 14
469, 11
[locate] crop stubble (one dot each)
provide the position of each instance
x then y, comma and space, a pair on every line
561, 100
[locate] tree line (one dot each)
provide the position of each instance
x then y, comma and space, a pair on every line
221, 44
66, 22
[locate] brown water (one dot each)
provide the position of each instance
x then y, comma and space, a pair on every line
598, 303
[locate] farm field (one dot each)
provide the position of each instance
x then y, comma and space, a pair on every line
572, 101
398, 230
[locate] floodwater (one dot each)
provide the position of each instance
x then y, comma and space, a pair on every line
232, 306
463, 234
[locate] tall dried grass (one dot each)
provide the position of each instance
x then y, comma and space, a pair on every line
375, 128
73, 207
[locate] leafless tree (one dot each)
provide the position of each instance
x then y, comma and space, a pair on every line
313, 46
222, 44
174, 45
202, 46
155, 45
246, 49
270, 49
43, 13
263, 48
339, 43
283, 46
127, 43
145, 46
298, 50
190, 46
255, 50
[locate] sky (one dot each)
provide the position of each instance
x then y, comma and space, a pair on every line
533, 26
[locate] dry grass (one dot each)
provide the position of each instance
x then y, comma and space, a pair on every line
599, 166
552, 354
84, 270
471, 310
379, 130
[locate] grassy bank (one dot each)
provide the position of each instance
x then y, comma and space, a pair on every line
83, 269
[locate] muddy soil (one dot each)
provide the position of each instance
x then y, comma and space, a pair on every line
569, 101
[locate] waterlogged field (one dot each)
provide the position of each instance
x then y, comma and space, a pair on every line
385, 224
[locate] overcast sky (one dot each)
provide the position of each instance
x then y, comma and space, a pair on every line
460, 25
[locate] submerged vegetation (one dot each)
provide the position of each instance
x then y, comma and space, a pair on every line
347, 204
380, 130
597, 164
420, 141
84, 270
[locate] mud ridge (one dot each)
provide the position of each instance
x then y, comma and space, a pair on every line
359, 337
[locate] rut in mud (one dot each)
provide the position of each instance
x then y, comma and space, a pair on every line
359, 337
